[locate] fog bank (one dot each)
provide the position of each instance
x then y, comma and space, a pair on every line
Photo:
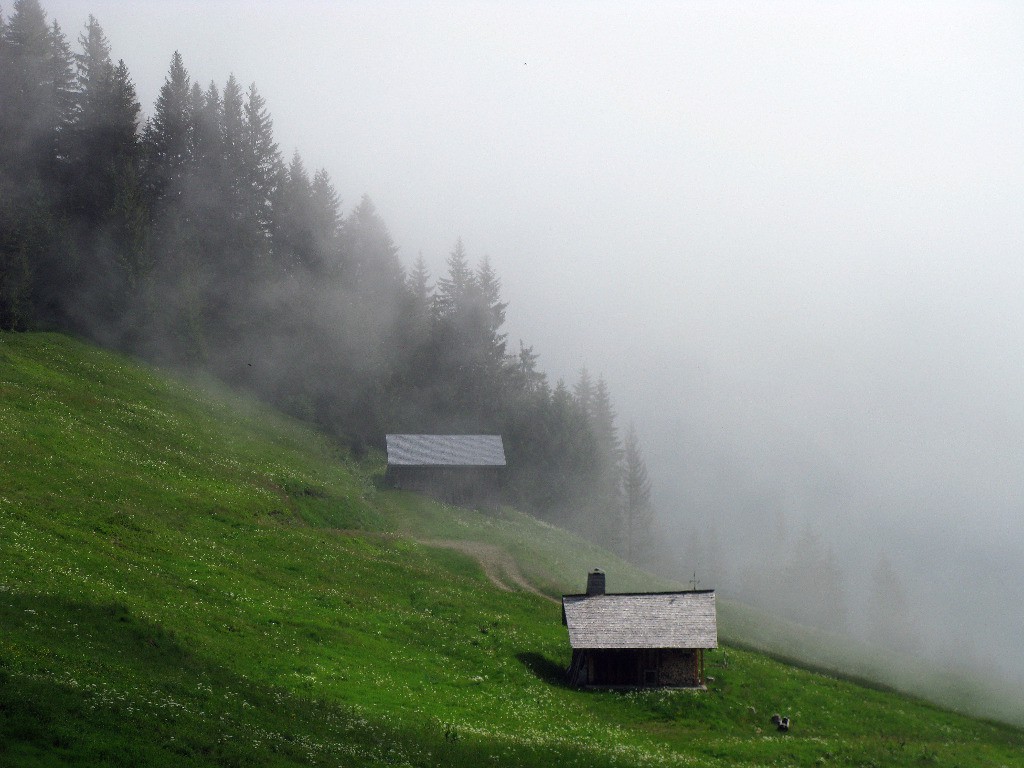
788, 236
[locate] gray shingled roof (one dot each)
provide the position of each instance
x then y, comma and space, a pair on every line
654, 620
445, 451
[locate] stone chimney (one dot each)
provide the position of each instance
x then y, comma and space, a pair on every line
595, 582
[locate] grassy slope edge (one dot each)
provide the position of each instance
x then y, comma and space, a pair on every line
188, 578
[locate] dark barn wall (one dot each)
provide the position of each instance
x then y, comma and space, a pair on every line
454, 485
616, 667
637, 668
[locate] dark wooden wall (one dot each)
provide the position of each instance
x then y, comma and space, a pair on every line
455, 485
637, 668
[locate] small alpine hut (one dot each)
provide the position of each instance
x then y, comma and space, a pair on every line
459, 469
639, 640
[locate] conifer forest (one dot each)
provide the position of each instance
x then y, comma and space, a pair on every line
181, 235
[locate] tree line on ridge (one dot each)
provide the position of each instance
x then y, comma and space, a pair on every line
187, 239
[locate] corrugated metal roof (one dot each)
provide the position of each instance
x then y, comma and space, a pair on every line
445, 451
650, 620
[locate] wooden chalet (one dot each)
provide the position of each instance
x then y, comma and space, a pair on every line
639, 640
458, 469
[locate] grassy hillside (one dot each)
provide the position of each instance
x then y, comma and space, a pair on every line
187, 578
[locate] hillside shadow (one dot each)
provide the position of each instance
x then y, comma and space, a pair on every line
110, 630
100, 684
544, 668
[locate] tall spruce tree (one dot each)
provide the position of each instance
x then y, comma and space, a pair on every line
295, 235
584, 392
105, 127
15, 262
575, 452
102, 186
59, 106
371, 256
168, 137
239, 237
637, 512
262, 175
606, 493
326, 226
36, 261
454, 289
527, 375
421, 292
178, 297
207, 139
468, 343
488, 291
27, 48
232, 144
91, 175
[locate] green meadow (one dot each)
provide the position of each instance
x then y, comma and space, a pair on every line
188, 578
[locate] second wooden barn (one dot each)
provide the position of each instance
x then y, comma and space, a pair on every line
638, 640
459, 469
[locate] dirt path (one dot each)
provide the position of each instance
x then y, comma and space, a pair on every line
499, 567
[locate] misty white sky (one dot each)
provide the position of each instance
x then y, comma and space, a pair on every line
788, 234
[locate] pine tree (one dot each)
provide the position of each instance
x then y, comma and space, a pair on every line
488, 290
178, 257
59, 264
372, 266
308, 223
214, 287
453, 290
6, 69
36, 258
577, 470
326, 222
15, 173
637, 512
239, 237
124, 111
91, 180
584, 392
528, 376
469, 346
105, 126
262, 172
606, 491
38, 82
602, 418
58, 105
131, 237
207, 140
232, 142
6, 62
101, 180
168, 137
421, 291
291, 206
